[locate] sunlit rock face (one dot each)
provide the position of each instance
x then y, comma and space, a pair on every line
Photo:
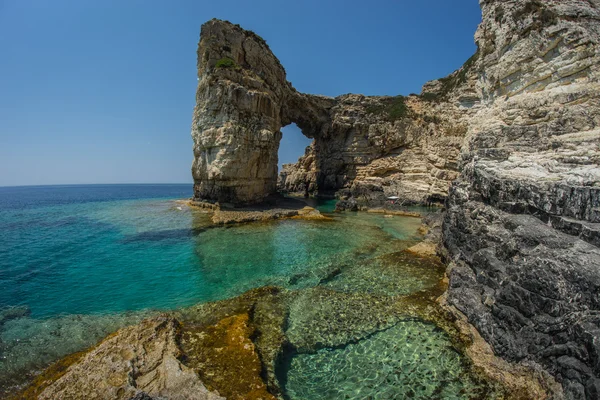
237, 117
522, 225
383, 145
511, 141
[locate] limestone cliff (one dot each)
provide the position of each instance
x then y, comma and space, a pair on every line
514, 135
237, 116
377, 145
521, 227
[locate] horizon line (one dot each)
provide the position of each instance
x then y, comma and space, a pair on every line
98, 184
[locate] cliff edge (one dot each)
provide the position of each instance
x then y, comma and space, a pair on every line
522, 223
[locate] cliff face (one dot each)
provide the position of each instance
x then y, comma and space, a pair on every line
377, 145
522, 225
512, 139
237, 116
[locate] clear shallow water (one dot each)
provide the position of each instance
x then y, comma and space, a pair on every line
74, 256
411, 360
85, 260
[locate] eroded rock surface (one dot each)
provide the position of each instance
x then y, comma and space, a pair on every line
226, 358
140, 361
522, 222
380, 146
517, 131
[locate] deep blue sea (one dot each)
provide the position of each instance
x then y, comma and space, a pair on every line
78, 262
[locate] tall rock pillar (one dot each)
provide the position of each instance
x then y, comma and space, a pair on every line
237, 118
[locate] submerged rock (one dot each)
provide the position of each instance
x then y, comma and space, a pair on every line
410, 359
8, 313
244, 347
226, 358
141, 360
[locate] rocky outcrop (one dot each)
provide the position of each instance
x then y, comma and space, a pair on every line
227, 359
237, 116
141, 361
224, 217
521, 230
517, 131
375, 146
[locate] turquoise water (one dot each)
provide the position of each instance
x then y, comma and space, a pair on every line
113, 256
78, 262
411, 360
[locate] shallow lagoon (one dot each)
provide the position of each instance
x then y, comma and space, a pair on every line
87, 263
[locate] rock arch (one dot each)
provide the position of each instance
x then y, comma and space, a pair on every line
521, 221
241, 105
243, 100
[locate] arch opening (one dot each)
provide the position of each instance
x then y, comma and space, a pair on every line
293, 150
292, 146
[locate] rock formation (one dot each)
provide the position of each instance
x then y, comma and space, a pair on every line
140, 362
521, 227
378, 146
512, 139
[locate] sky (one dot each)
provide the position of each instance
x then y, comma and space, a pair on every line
102, 91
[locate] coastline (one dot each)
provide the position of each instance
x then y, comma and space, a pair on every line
265, 338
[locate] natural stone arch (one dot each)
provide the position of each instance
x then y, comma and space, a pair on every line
529, 101
243, 100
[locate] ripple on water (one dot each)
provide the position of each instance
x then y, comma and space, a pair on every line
412, 359
68, 259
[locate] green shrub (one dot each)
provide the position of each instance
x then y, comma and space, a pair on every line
456, 79
397, 108
226, 62
392, 108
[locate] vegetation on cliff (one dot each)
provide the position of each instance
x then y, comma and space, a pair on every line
391, 108
226, 62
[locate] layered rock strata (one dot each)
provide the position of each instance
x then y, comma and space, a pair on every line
521, 229
517, 131
372, 146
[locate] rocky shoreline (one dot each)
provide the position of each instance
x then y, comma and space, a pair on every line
509, 143
281, 208
237, 348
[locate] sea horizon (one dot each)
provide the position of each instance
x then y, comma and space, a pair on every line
96, 184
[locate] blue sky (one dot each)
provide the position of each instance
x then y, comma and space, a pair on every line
102, 91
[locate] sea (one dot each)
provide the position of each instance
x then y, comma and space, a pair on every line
78, 262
